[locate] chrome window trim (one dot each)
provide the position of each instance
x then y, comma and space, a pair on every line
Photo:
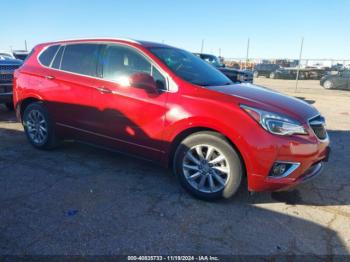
172, 87
54, 57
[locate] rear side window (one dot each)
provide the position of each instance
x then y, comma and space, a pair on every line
81, 59
46, 57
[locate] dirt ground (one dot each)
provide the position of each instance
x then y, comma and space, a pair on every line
79, 200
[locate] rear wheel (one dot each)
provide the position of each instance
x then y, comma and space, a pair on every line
39, 127
208, 166
328, 84
272, 75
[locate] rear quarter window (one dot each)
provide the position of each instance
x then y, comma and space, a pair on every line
48, 54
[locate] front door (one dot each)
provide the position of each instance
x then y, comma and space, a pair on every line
128, 116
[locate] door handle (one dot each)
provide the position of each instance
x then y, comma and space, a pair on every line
50, 77
104, 90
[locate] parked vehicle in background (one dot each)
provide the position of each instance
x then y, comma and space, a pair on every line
168, 105
20, 54
275, 71
341, 80
236, 75
6, 54
8, 65
265, 70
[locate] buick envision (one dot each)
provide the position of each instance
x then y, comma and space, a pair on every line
167, 105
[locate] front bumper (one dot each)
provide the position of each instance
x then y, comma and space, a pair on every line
307, 151
309, 168
6, 92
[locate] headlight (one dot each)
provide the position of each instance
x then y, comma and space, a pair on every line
275, 123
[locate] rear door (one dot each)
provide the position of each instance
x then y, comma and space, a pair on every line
75, 74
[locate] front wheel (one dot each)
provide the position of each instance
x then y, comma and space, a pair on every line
272, 75
256, 74
39, 127
208, 166
328, 84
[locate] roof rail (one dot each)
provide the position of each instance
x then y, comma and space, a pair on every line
98, 38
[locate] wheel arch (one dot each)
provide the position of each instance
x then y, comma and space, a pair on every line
23, 105
192, 130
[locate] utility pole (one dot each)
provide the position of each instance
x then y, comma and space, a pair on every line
202, 48
25, 45
300, 54
247, 57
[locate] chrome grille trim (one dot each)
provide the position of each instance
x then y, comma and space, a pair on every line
317, 124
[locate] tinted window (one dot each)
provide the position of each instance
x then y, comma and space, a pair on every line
159, 78
46, 56
21, 56
57, 59
120, 62
190, 67
346, 74
81, 59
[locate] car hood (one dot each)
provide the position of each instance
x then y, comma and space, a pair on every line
270, 100
4, 60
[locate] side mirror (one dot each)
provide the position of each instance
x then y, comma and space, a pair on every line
144, 81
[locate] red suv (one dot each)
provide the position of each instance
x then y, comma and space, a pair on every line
167, 105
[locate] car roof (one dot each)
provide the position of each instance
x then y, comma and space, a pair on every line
107, 39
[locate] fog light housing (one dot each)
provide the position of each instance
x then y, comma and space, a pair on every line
282, 169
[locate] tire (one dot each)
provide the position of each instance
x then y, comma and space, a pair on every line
328, 84
256, 74
217, 184
272, 75
9, 106
35, 119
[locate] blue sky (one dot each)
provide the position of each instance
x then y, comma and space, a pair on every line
275, 27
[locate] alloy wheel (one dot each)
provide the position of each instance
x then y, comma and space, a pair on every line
36, 127
328, 84
206, 168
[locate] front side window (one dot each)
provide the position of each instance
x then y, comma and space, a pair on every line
48, 54
81, 59
190, 67
120, 62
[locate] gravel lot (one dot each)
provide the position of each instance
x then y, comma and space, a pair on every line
82, 200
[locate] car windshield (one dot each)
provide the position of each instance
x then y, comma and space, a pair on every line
190, 67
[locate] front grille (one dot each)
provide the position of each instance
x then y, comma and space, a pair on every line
8, 67
6, 77
318, 126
